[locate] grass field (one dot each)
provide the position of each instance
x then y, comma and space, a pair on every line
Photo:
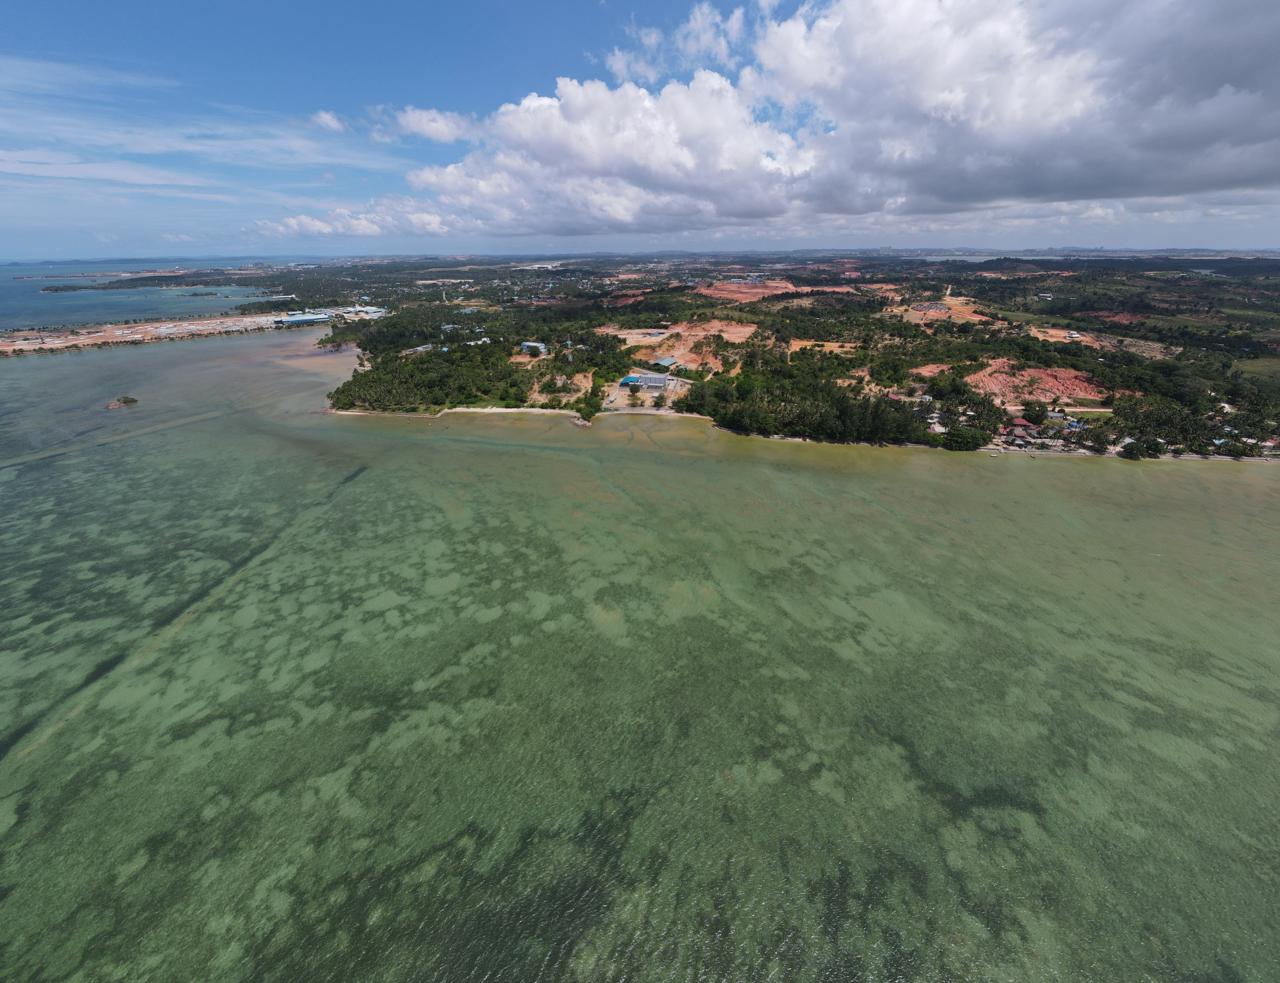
1266, 368
1031, 317
1253, 314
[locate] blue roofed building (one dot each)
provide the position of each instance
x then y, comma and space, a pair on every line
301, 320
646, 381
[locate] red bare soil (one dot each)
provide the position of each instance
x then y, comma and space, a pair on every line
744, 293
1117, 318
953, 308
999, 382
681, 349
1060, 335
678, 340
625, 297
636, 336
929, 371
735, 331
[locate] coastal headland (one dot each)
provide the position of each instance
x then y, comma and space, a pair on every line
1141, 357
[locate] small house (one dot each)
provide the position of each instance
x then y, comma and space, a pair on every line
535, 348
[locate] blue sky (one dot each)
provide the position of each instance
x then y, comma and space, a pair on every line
260, 66
290, 57
286, 128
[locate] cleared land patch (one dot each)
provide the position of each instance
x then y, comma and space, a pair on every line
890, 290
626, 298
1059, 335
687, 342
746, 292
929, 371
1002, 383
1116, 318
950, 308
571, 388
832, 347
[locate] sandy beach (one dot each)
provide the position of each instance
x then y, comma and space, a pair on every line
458, 409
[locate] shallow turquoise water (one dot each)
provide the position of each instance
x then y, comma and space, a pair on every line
292, 696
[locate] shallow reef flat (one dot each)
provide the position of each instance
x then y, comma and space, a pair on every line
285, 695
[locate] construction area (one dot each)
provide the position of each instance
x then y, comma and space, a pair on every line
1004, 385
20, 342
688, 344
948, 309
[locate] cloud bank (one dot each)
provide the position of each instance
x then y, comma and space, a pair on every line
870, 115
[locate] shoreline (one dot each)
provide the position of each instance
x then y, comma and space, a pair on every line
78, 343
454, 409
989, 450
549, 411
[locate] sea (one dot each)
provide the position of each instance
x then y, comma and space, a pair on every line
289, 695
24, 304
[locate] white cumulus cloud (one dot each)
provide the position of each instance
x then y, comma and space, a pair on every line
875, 115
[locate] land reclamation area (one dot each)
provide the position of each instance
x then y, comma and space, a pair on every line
292, 695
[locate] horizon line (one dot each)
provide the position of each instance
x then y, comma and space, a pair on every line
995, 251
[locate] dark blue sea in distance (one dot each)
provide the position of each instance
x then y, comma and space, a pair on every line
24, 304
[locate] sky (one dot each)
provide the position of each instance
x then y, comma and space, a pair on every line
146, 129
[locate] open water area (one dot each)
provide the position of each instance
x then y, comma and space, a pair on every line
286, 695
25, 304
